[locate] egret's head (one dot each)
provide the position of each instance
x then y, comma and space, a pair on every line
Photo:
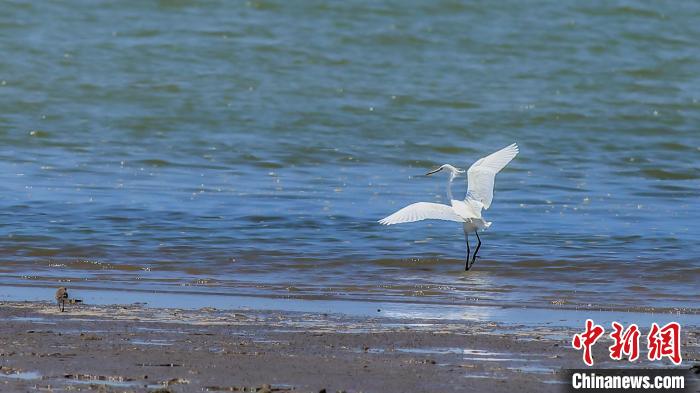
454, 172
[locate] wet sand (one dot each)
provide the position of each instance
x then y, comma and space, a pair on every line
134, 348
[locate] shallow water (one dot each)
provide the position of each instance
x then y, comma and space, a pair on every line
389, 312
249, 148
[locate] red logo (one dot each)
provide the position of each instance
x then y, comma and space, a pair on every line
665, 342
625, 343
661, 342
586, 340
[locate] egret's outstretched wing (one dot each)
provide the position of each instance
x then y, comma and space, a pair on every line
481, 174
422, 211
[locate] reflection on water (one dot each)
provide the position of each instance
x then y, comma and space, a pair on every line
26, 375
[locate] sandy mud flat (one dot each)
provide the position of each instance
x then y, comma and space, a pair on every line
134, 348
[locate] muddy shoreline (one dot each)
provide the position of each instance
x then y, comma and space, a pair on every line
133, 348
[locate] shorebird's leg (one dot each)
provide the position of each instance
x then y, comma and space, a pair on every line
477, 247
466, 238
63, 305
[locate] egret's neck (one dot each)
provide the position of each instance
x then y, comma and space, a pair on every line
449, 187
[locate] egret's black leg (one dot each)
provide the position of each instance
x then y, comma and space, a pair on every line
63, 305
477, 247
466, 264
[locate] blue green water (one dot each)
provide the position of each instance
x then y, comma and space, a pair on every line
250, 147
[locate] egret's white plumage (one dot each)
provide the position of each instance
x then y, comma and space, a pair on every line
480, 182
482, 174
422, 211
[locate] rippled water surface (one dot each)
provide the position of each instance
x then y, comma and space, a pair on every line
249, 148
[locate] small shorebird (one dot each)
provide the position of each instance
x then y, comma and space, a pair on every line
480, 179
61, 298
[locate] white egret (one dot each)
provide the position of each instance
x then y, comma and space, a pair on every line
480, 181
